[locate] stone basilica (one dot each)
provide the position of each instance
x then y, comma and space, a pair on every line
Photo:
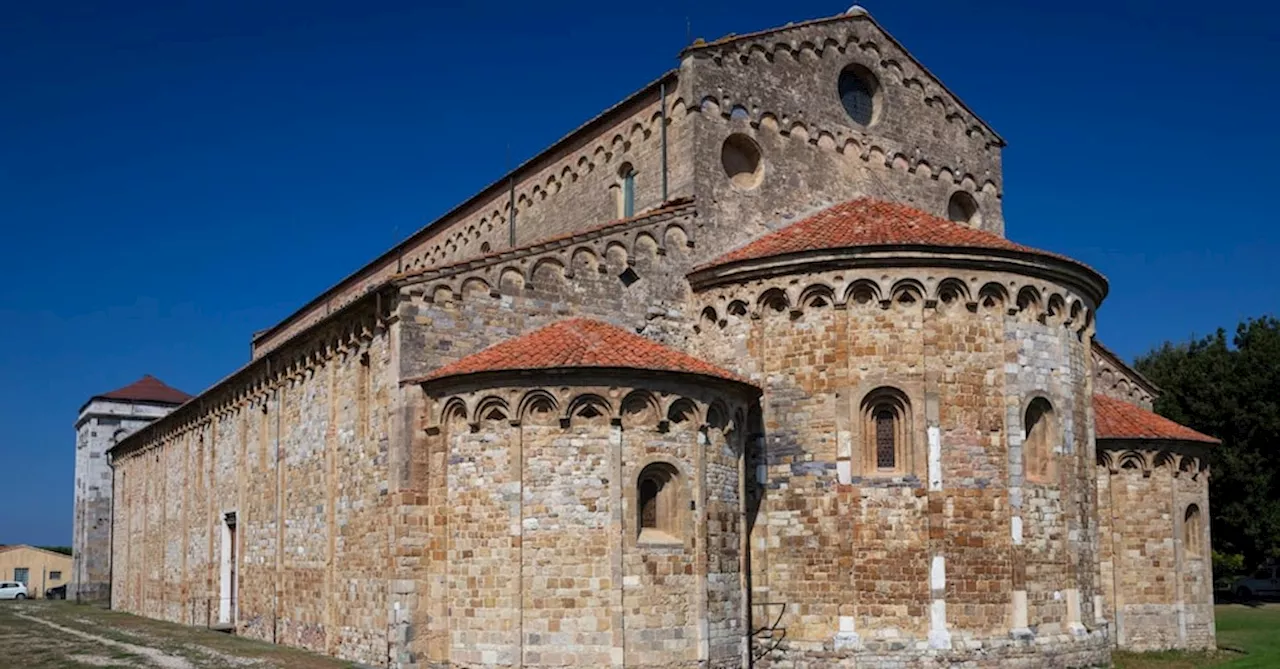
742, 372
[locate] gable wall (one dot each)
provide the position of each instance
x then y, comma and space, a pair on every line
781, 90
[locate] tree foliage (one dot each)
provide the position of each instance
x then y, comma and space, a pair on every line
1231, 389
65, 550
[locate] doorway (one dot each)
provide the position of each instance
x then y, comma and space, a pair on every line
227, 594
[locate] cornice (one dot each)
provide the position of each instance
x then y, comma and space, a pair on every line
1078, 277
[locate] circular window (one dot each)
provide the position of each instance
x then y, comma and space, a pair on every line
859, 90
962, 208
740, 157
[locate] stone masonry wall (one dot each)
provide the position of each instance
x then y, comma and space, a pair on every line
539, 560
630, 275
955, 550
1115, 379
101, 424
1159, 589
780, 89
301, 458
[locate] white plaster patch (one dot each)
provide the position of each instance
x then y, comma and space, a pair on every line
1015, 527
935, 459
1020, 613
843, 471
844, 442
939, 637
938, 573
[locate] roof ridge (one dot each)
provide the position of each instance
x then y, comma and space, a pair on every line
579, 343
147, 388
855, 219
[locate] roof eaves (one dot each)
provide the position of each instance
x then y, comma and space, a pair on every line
448, 379
712, 272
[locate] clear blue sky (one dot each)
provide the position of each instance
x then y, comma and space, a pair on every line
172, 179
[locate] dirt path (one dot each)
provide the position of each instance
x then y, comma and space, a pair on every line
157, 657
62, 635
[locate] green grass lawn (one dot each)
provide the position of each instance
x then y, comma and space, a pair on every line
1248, 638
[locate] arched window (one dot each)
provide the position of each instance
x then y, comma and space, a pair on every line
1041, 437
858, 88
626, 191
962, 208
886, 420
657, 505
1192, 532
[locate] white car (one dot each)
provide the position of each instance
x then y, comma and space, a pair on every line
1265, 582
13, 590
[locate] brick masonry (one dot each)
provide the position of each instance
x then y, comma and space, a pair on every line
491, 521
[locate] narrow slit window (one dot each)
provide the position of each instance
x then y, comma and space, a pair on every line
649, 504
626, 191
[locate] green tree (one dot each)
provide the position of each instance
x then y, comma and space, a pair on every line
1231, 390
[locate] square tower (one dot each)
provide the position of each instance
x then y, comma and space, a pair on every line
104, 420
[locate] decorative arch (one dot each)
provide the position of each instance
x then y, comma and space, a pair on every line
640, 408
817, 295
952, 292
675, 239
644, 246
708, 320
590, 409
538, 407
773, 299
1133, 460
492, 409
886, 431
547, 271
454, 412
907, 292
1056, 309
862, 292
1077, 311
717, 416
682, 411
1029, 302
511, 280
584, 259
992, 296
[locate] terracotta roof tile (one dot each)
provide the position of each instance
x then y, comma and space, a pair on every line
581, 343
1117, 419
147, 389
867, 222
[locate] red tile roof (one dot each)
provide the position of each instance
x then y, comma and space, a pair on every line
147, 389
581, 343
870, 222
1117, 419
